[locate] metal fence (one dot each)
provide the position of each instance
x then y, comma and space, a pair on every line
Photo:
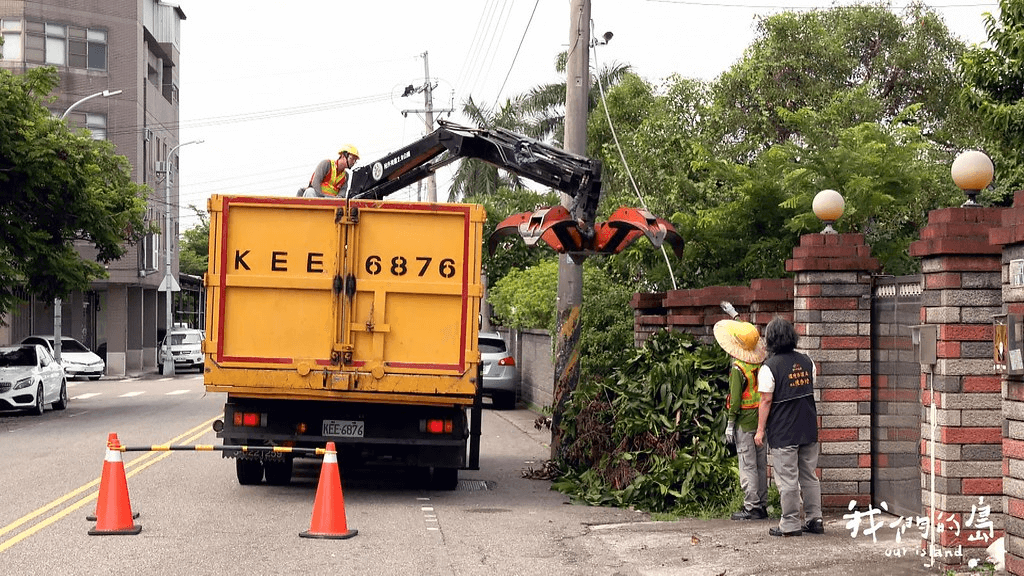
895, 395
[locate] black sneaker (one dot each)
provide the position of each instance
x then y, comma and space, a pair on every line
758, 513
743, 514
779, 532
815, 526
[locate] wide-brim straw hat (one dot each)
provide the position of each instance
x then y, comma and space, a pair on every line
741, 341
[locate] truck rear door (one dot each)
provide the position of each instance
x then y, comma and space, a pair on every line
315, 298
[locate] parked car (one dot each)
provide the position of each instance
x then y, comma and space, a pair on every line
185, 345
30, 378
75, 357
499, 368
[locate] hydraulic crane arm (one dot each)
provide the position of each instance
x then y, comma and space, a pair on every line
571, 230
577, 176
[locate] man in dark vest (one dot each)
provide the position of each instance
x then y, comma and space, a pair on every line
789, 418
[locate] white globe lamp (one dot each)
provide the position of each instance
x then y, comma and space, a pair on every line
972, 171
828, 207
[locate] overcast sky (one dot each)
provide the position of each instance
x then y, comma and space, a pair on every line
274, 87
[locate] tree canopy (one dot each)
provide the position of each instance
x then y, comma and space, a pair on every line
856, 99
195, 246
994, 89
57, 188
807, 59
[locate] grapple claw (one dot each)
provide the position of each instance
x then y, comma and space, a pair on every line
557, 228
628, 224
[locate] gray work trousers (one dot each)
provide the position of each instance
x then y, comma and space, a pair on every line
793, 468
753, 461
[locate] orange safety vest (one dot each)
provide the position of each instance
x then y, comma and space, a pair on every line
333, 180
750, 398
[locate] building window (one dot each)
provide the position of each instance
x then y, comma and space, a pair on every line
56, 45
35, 42
97, 45
149, 252
11, 32
60, 45
97, 124
78, 48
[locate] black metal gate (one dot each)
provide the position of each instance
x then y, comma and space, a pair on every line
895, 395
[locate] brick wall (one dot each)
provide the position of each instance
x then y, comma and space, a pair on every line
696, 311
1010, 235
962, 291
832, 314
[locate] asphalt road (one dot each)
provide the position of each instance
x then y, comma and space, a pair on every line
197, 520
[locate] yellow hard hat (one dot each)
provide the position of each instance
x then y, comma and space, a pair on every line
350, 150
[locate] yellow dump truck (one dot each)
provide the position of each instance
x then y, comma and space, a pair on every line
355, 324
355, 319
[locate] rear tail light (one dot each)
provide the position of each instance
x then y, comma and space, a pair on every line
436, 426
507, 361
250, 419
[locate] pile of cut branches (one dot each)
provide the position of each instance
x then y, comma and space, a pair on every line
651, 438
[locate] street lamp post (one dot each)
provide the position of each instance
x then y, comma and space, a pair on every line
105, 94
168, 284
57, 302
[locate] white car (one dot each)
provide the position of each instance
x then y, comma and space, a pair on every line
185, 345
78, 361
499, 368
30, 378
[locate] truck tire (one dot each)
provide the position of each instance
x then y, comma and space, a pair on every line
445, 478
249, 472
278, 473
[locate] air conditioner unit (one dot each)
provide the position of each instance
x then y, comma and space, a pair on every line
161, 167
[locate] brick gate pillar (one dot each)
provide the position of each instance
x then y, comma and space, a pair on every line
1011, 237
961, 293
832, 314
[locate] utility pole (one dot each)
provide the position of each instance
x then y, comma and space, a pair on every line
428, 110
428, 101
169, 284
570, 273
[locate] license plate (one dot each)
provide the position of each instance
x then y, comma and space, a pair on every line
343, 428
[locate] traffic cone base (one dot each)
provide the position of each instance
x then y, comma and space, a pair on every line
134, 529
113, 510
329, 506
344, 536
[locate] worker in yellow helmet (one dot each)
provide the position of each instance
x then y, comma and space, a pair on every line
330, 176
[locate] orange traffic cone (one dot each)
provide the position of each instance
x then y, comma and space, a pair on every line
111, 438
113, 510
329, 507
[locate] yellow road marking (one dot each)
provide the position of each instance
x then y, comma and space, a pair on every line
138, 465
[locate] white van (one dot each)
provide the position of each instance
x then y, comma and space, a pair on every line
185, 345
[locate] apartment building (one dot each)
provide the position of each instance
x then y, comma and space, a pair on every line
129, 49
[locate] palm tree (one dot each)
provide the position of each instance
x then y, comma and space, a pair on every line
475, 177
542, 109
539, 114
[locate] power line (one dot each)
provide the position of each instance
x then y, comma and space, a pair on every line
473, 52
255, 116
516, 56
492, 46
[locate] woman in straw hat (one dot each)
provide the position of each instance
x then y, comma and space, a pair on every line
741, 341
